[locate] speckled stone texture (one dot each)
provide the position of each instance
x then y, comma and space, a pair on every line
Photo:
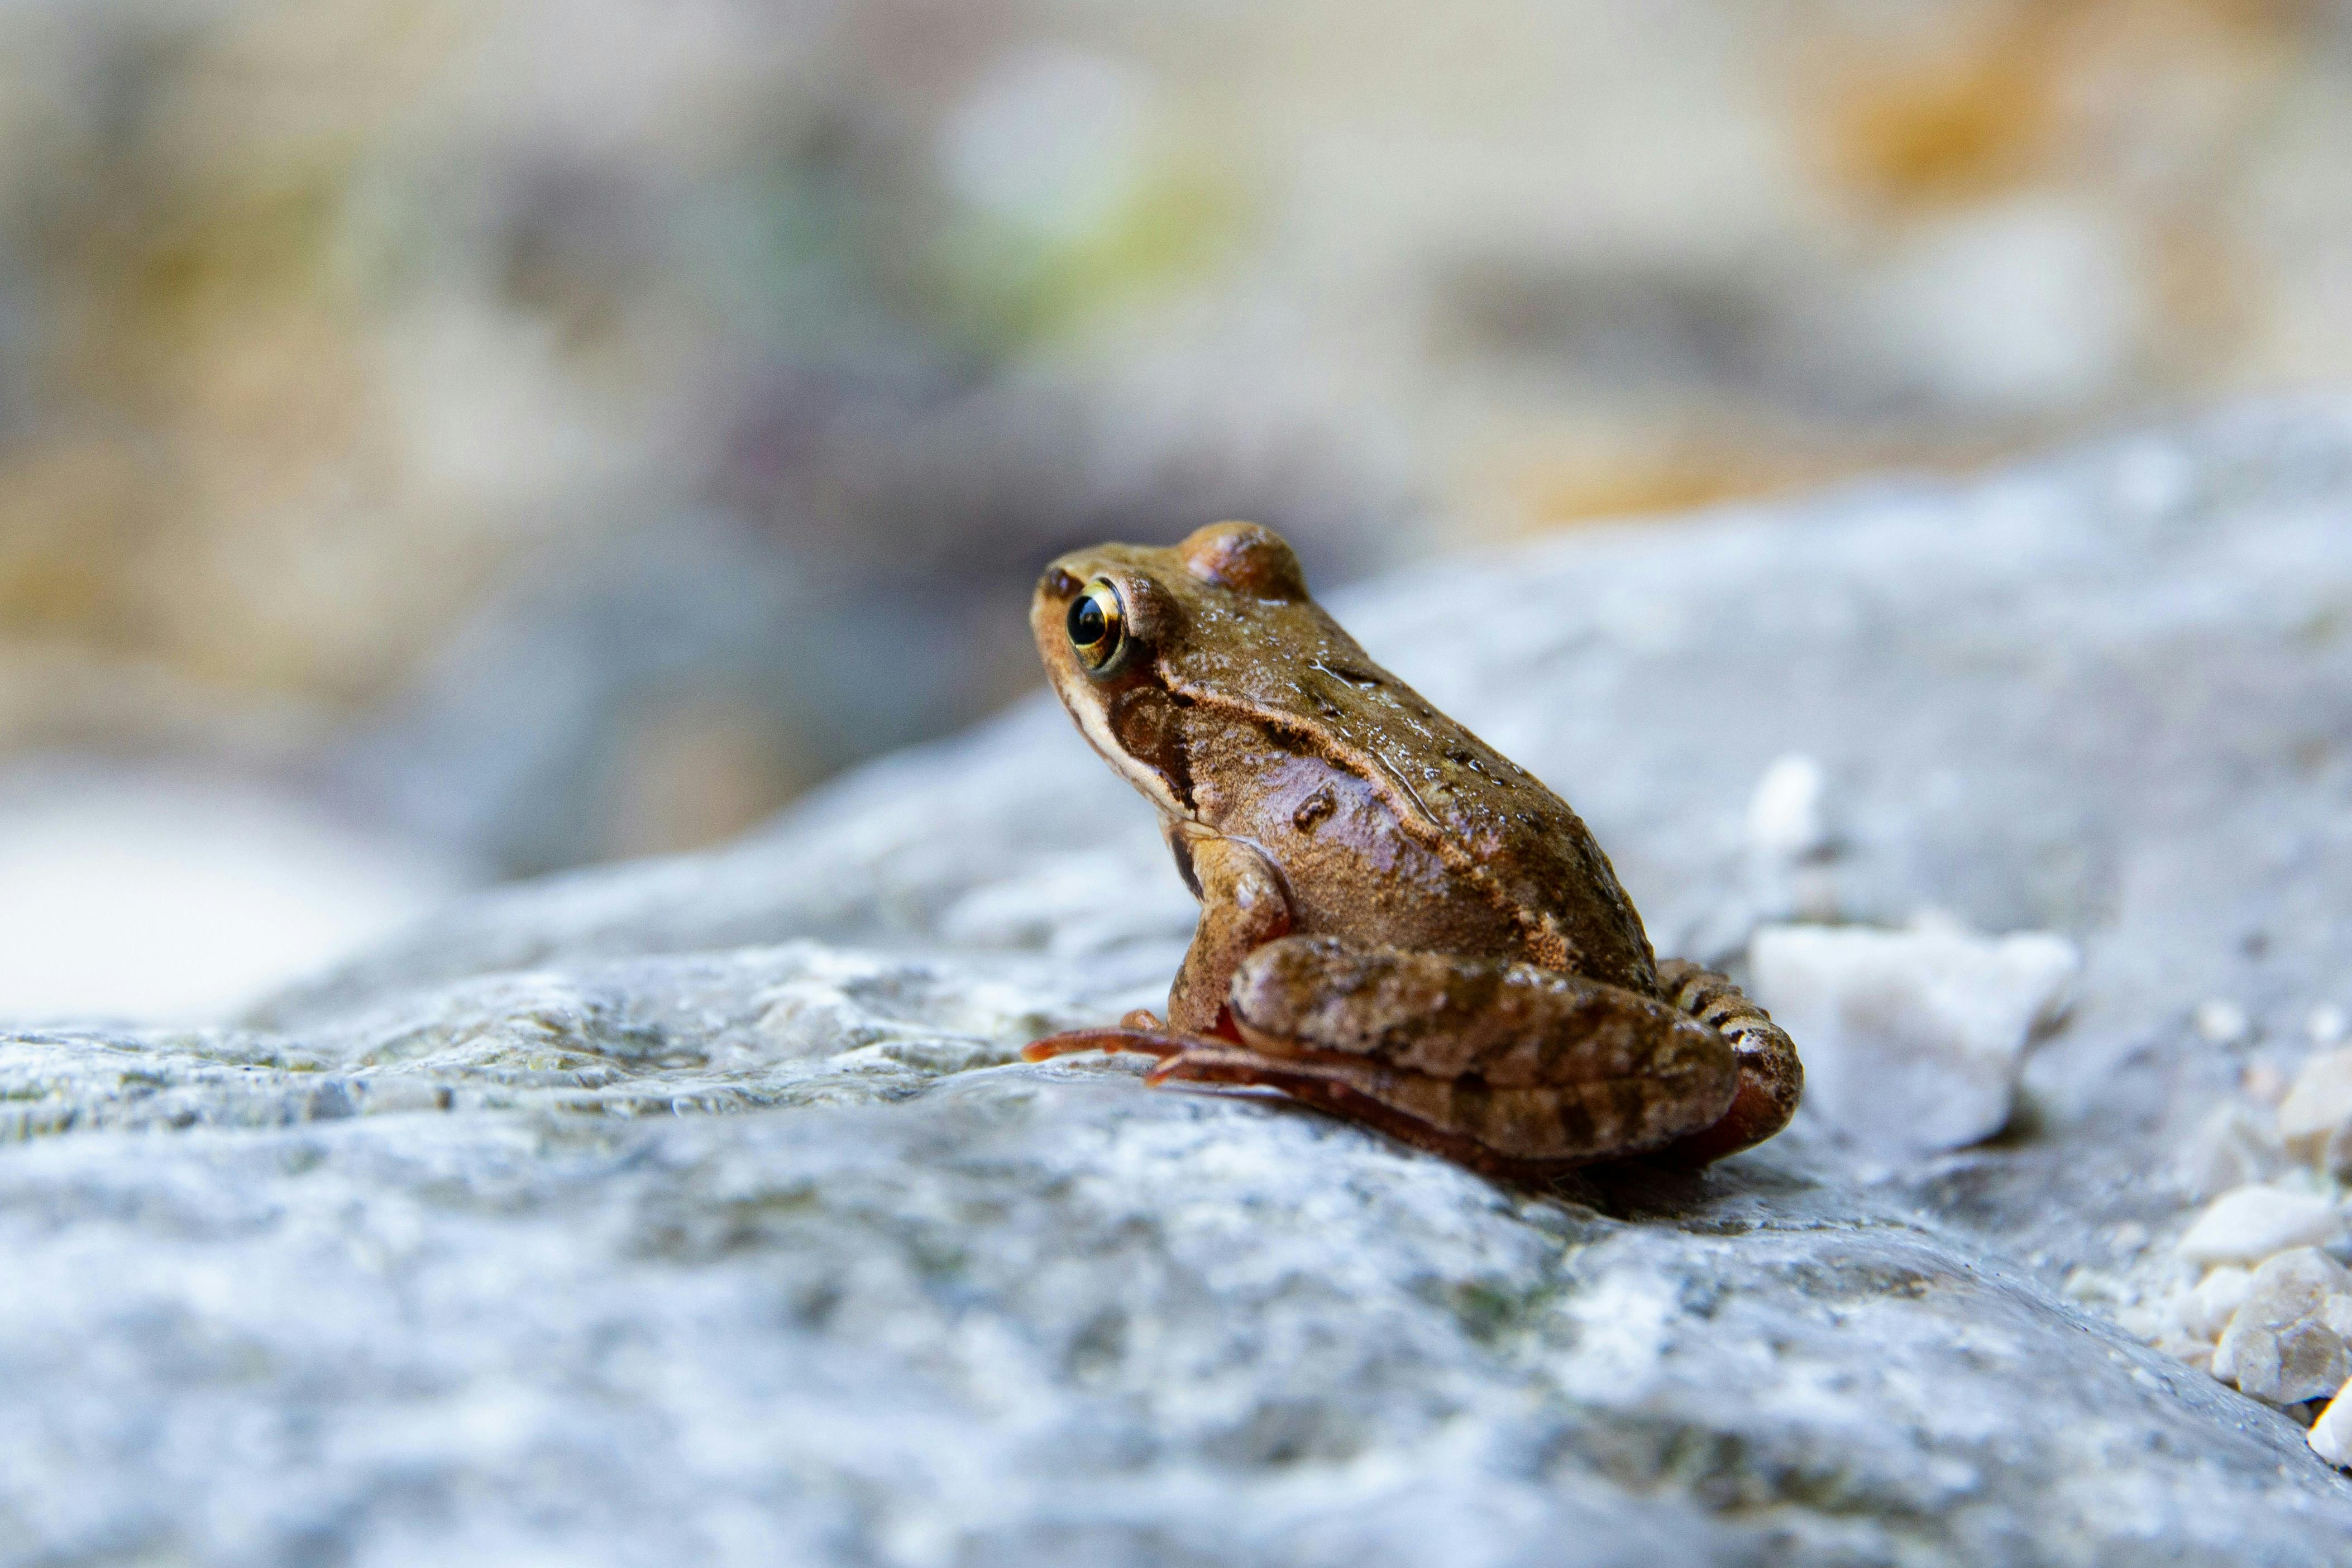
702, 1210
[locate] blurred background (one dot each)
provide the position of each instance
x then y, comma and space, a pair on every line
451, 440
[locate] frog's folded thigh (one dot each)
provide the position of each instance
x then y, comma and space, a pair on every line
1510, 1024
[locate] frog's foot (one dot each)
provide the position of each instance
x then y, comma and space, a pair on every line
1771, 1079
1140, 1030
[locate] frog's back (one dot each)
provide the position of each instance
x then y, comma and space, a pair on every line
1384, 813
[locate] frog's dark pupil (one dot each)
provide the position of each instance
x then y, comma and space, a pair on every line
1088, 623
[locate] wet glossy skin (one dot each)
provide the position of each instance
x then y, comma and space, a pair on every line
1398, 922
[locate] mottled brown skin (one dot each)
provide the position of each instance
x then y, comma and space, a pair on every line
1398, 924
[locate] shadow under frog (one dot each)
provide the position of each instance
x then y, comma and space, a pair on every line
1398, 924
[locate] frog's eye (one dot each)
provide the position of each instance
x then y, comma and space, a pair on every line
1097, 624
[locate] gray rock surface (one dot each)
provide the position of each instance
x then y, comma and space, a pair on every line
701, 1209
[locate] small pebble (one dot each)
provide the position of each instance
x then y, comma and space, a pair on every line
2331, 1435
2233, 1146
2263, 1083
2319, 1103
2248, 1224
2286, 1343
2206, 1311
2195, 1354
1913, 1039
2221, 1023
1788, 817
2327, 1024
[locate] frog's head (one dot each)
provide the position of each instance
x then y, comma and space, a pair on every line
1132, 635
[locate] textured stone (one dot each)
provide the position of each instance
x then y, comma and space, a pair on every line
697, 1210
2286, 1342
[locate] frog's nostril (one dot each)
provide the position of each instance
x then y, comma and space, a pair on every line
1060, 584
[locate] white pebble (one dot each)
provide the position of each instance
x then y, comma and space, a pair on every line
2327, 1024
1788, 817
2331, 1435
2318, 1104
2193, 1352
2232, 1147
1912, 1039
2205, 1311
2286, 1344
2221, 1023
2251, 1223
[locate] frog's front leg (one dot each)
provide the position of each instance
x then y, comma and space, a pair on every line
1507, 1067
1242, 907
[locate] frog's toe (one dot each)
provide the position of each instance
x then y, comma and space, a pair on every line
1202, 1061
1150, 1042
1771, 1079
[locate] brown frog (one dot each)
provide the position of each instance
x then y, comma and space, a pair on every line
1398, 924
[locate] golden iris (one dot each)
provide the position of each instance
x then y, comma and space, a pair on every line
1097, 624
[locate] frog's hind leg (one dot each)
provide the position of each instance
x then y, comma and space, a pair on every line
1771, 1079
1496, 1064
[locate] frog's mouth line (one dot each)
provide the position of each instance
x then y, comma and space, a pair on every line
1092, 721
